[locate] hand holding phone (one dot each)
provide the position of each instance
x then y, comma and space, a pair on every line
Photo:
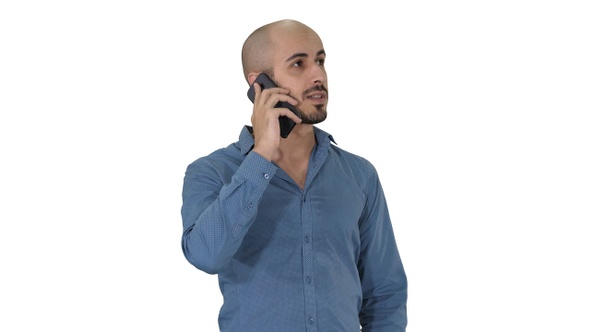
285, 123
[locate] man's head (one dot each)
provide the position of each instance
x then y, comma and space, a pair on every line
292, 54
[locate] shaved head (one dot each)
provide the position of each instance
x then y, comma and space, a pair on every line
258, 48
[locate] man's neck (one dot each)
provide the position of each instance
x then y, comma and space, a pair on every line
297, 146
294, 152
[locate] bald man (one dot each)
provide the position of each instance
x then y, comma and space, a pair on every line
297, 229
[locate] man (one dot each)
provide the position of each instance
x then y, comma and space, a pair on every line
296, 228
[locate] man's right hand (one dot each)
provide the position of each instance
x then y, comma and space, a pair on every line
265, 119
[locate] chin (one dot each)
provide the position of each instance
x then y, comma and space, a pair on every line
318, 116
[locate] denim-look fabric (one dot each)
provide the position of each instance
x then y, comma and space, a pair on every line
319, 259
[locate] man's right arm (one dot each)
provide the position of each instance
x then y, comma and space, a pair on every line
216, 214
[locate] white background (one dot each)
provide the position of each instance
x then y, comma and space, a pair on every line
475, 113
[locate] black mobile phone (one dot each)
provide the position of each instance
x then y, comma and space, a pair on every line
285, 123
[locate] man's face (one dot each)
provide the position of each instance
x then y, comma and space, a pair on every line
298, 65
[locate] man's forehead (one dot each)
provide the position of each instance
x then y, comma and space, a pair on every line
297, 43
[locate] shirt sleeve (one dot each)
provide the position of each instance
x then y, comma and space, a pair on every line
383, 278
217, 212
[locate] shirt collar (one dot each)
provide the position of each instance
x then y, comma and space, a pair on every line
246, 142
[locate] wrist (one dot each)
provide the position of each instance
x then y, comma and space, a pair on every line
265, 153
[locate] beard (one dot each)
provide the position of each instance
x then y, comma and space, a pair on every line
320, 113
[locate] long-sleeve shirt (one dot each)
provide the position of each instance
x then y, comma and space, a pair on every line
323, 258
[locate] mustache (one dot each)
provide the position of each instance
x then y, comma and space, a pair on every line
319, 87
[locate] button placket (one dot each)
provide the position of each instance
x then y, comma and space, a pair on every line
308, 261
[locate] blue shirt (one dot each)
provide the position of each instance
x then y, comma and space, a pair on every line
319, 259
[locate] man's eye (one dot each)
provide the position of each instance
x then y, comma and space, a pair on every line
320, 62
297, 64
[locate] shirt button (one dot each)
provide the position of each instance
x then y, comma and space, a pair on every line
308, 279
311, 321
266, 176
250, 206
306, 239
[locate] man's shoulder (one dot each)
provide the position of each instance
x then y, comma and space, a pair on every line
226, 155
235, 151
349, 155
327, 141
352, 159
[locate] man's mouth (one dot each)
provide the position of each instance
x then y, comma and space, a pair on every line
317, 94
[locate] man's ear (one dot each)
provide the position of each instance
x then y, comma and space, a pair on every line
252, 78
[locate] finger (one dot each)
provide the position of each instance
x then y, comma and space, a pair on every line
270, 92
277, 97
288, 113
257, 90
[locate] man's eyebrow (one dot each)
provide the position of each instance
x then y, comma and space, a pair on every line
296, 55
304, 55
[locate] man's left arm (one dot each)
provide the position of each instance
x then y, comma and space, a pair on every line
380, 267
